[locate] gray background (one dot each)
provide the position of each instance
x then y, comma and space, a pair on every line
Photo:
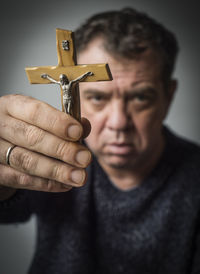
28, 39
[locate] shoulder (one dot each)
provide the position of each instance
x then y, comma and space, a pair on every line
183, 150
184, 158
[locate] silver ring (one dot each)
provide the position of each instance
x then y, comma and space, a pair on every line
8, 154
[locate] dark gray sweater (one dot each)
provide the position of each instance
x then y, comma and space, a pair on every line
153, 228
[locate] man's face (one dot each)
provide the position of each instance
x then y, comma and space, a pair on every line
126, 114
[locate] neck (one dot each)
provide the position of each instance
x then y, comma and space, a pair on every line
132, 176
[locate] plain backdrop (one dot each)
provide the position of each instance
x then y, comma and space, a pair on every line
28, 39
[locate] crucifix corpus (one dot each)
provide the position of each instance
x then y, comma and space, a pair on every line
67, 74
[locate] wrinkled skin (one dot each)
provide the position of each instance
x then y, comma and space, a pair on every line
126, 114
47, 156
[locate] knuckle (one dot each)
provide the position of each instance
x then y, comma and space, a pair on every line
35, 111
24, 180
34, 135
13, 99
4, 100
63, 149
53, 121
8, 97
38, 109
3, 122
8, 100
55, 172
27, 162
50, 186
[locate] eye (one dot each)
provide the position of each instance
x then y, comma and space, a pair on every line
97, 99
141, 97
141, 100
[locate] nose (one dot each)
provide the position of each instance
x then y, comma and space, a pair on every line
118, 118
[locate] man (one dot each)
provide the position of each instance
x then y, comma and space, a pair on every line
138, 211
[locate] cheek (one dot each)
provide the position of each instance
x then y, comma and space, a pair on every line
96, 118
148, 124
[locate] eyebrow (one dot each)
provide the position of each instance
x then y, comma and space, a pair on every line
147, 89
133, 91
94, 91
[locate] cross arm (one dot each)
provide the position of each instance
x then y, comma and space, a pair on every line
101, 72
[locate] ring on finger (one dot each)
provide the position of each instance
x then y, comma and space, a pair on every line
8, 154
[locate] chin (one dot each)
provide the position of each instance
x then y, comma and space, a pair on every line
118, 161
118, 165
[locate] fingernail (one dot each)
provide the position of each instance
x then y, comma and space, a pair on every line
78, 176
83, 157
74, 131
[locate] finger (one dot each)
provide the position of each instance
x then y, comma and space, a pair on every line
42, 115
37, 164
86, 127
28, 136
4, 146
41, 166
16, 179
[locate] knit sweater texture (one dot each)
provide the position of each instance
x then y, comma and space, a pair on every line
100, 229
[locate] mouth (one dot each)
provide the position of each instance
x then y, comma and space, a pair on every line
121, 149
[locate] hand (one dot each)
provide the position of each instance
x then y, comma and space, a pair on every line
47, 156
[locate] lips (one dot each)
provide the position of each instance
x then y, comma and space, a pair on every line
119, 148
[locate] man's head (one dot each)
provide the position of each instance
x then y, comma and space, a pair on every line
127, 33
127, 113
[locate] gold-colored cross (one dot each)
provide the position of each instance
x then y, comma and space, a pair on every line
67, 66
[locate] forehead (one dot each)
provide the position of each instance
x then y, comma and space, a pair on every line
143, 68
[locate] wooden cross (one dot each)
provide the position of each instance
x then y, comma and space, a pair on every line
67, 66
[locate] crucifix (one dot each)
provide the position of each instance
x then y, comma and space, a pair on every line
67, 74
